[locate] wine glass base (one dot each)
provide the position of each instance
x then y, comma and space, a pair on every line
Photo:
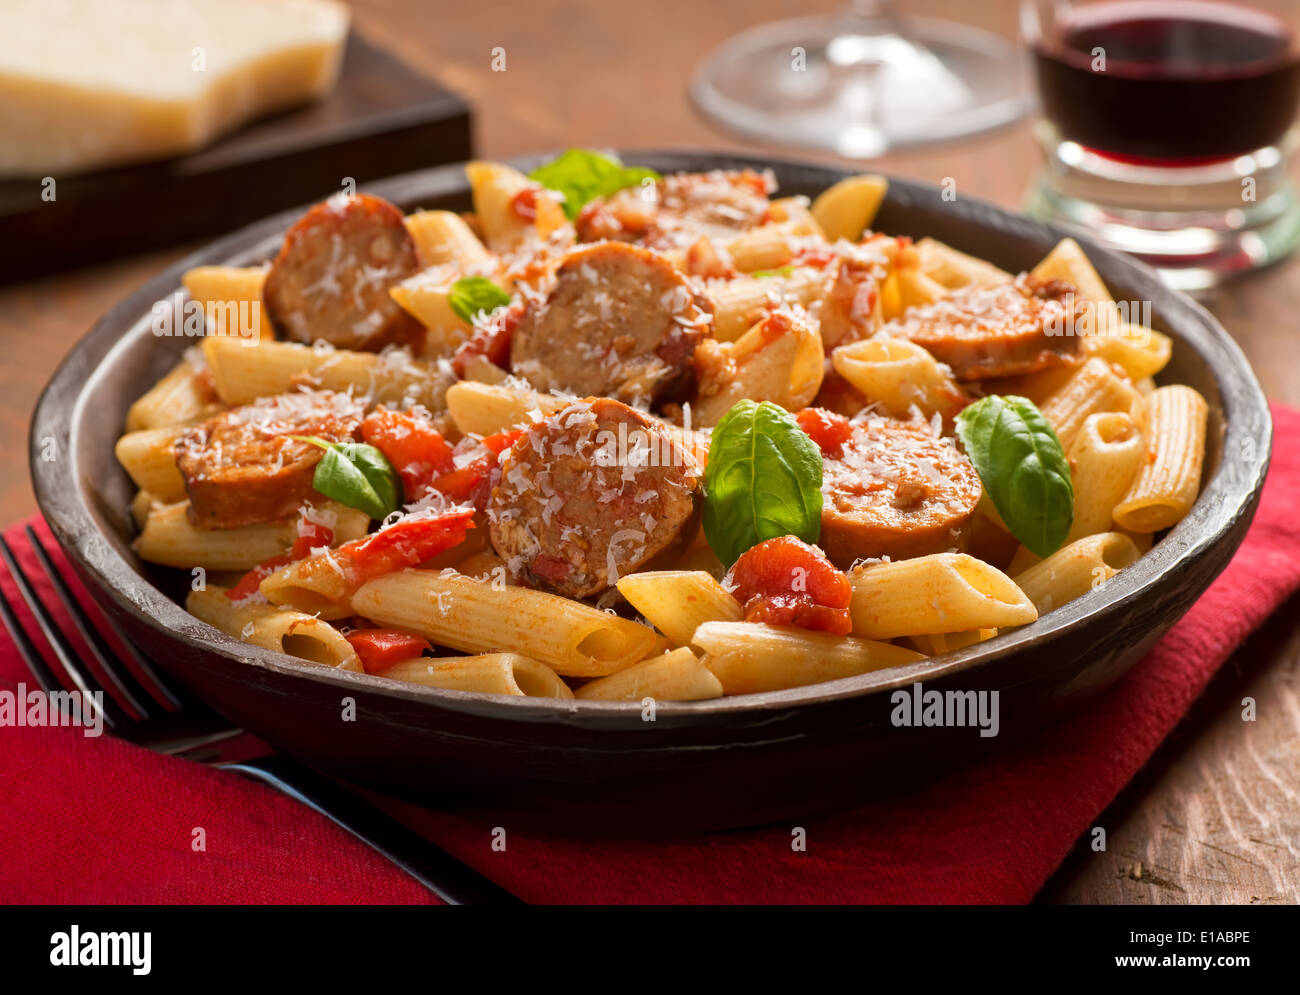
861, 86
1198, 226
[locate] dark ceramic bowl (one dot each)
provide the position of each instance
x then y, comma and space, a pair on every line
592, 766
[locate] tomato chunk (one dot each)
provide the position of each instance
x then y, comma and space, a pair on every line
310, 535
471, 481
491, 340
415, 448
404, 544
785, 581
379, 649
829, 430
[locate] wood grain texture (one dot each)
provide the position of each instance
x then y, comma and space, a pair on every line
1216, 816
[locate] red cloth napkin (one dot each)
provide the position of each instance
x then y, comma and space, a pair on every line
99, 820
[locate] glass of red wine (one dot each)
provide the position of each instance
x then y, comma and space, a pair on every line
1167, 127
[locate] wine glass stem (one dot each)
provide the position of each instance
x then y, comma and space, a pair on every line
869, 9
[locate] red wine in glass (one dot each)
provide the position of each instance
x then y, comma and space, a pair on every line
1168, 82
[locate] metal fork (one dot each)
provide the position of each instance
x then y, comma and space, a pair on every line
170, 720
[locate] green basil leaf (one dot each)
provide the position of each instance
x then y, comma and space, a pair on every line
357, 475
582, 175
470, 296
1024, 470
763, 480
783, 271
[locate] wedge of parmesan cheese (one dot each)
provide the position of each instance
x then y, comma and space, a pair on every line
91, 83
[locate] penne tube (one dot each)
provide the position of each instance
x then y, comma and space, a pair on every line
243, 372
490, 673
494, 187
1104, 459
1076, 569
427, 298
766, 247
149, 458
936, 644
572, 638
1093, 388
677, 602
443, 238
169, 538
780, 360
847, 208
750, 657
939, 593
485, 409
1068, 262
1141, 351
899, 374
739, 303
232, 299
795, 214
675, 676
946, 265
181, 397
1169, 478
141, 505
304, 636
916, 289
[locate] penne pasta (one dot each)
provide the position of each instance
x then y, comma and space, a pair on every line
232, 299
1076, 569
485, 409
1141, 351
572, 638
899, 374
749, 657
494, 187
953, 269
1169, 479
1067, 262
170, 538
243, 372
304, 636
675, 676
1094, 388
739, 303
181, 397
149, 458
489, 673
677, 602
427, 298
443, 238
936, 644
847, 208
1104, 459
939, 593
780, 360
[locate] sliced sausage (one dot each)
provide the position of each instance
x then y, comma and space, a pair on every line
589, 494
243, 466
619, 321
1020, 327
678, 210
890, 488
332, 276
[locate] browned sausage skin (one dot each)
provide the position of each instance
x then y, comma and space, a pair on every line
332, 276
679, 210
619, 320
589, 494
894, 489
243, 467
1021, 327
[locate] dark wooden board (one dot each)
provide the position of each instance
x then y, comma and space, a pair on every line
383, 118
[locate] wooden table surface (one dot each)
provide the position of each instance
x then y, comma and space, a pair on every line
1215, 817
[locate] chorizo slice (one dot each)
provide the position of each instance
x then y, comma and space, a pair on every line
890, 488
679, 210
619, 321
244, 466
1020, 327
589, 494
332, 276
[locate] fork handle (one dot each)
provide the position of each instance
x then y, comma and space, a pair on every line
445, 876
